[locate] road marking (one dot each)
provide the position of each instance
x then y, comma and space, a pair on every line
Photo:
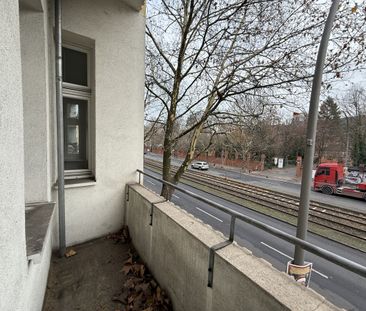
321, 274
150, 182
209, 214
289, 257
176, 196
276, 250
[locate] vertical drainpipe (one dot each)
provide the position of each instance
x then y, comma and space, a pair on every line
60, 128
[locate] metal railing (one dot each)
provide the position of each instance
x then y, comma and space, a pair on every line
334, 258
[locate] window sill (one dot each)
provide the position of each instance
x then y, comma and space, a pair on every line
77, 183
77, 179
80, 183
38, 217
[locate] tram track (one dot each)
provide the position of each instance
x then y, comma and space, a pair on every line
344, 221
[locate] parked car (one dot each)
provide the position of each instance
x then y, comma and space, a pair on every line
200, 165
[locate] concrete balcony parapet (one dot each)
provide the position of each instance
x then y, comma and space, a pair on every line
176, 247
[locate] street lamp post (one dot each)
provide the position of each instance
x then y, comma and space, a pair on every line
302, 220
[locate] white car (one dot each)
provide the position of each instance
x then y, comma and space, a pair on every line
200, 165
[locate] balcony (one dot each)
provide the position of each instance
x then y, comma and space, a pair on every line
176, 247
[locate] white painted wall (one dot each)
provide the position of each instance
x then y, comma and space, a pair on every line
33, 26
28, 157
118, 33
27, 150
12, 217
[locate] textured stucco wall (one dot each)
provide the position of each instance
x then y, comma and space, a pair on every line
33, 40
118, 33
37, 276
12, 217
176, 250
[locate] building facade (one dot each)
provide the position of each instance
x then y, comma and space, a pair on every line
103, 88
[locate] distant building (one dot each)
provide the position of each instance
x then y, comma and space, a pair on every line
298, 117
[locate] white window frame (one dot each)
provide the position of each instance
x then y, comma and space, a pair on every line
88, 52
81, 92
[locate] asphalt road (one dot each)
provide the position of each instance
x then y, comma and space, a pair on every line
279, 185
345, 289
291, 188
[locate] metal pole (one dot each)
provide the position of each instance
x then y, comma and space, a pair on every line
347, 142
302, 220
60, 128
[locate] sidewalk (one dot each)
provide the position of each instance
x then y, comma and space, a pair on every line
284, 174
287, 174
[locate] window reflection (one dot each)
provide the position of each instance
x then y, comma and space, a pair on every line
73, 111
73, 139
75, 133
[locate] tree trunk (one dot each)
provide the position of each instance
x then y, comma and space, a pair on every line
167, 191
190, 154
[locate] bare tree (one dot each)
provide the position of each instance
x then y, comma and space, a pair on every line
202, 55
329, 131
354, 107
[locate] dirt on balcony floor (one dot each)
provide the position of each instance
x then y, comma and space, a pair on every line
90, 279
103, 274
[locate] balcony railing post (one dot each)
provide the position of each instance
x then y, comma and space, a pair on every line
232, 228
128, 193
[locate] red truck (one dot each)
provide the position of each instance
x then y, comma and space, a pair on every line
330, 179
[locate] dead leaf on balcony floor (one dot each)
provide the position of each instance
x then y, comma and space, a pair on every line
70, 253
143, 291
158, 294
138, 269
130, 284
129, 261
142, 270
145, 288
121, 298
130, 299
122, 236
126, 269
153, 284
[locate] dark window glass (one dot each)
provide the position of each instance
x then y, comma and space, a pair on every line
75, 133
74, 66
321, 171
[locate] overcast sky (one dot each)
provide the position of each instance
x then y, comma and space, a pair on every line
340, 87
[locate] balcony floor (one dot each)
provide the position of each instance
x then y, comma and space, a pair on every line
88, 280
